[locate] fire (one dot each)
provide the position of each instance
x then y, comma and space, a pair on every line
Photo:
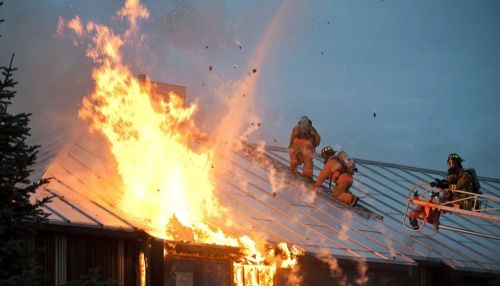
167, 180
162, 176
142, 269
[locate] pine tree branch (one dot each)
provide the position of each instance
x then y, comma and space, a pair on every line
20, 212
7, 85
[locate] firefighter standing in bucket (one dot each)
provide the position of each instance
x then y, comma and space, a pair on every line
340, 172
457, 179
303, 141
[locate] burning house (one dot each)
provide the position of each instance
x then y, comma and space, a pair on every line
90, 229
143, 199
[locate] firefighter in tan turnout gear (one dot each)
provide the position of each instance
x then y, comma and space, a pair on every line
458, 179
340, 169
303, 141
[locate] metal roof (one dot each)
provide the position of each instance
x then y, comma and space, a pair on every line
72, 166
257, 187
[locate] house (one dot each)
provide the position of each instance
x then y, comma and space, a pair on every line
367, 245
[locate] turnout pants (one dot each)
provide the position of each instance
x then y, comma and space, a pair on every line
301, 151
341, 190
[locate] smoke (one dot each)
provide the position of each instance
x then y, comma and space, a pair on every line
121, 109
381, 227
337, 273
335, 270
308, 195
237, 99
333, 265
345, 226
362, 268
107, 50
277, 180
177, 45
52, 77
241, 119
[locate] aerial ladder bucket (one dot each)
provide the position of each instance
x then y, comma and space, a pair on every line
431, 205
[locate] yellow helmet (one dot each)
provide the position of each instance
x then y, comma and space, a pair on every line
327, 152
455, 157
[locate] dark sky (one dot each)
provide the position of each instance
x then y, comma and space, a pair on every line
396, 81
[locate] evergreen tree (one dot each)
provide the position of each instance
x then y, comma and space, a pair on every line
19, 217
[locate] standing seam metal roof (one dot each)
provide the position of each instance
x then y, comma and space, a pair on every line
256, 185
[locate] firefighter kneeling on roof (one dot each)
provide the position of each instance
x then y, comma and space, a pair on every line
303, 141
340, 169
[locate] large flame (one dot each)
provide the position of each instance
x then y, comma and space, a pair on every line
162, 176
167, 180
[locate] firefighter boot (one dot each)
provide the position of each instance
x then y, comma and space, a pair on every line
414, 223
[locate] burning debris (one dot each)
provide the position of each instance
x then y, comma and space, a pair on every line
255, 124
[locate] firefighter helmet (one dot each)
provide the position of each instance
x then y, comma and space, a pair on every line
455, 157
327, 152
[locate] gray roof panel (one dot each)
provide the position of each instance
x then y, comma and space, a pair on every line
266, 198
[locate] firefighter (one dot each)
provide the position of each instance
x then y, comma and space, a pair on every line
303, 141
342, 177
457, 179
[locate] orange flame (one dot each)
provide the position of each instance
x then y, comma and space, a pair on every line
165, 177
75, 24
161, 175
